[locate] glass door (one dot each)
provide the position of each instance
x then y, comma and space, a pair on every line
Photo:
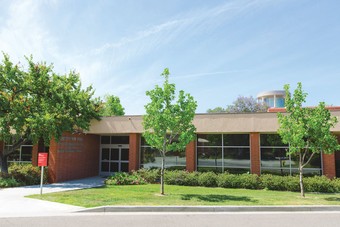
114, 158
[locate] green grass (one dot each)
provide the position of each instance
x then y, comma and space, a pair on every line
184, 195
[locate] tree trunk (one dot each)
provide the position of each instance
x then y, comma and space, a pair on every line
301, 177
162, 176
3, 163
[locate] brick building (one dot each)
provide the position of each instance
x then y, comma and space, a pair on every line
236, 143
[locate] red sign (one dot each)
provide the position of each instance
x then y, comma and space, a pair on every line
42, 159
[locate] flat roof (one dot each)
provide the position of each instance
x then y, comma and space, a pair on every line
204, 123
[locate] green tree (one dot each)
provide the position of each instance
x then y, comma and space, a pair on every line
216, 110
38, 104
112, 106
168, 123
306, 130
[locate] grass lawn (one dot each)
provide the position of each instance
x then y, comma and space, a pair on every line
184, 195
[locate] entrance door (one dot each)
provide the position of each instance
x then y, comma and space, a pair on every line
114, 158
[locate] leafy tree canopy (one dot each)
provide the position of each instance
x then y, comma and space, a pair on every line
306, 130
112, 106
242, 105
168, 122
39, 104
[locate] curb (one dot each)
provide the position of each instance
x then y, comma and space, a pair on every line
107, 209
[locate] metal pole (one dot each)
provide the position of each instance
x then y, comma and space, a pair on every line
41, 179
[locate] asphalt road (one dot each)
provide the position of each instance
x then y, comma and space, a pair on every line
262, 219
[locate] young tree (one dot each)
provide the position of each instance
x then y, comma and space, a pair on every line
112, 107
306, 130
168, 123
39, 104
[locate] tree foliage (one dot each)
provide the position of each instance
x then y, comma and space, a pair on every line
112, 106
242, 105
39, 104
167, 122
306, 130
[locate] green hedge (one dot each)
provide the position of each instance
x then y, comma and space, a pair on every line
125, 179
247, 181
21, 175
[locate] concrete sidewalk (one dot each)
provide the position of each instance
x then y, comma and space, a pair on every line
14, 204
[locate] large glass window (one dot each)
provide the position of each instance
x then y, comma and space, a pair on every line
21, 155
223, 152
275, 160
151, 158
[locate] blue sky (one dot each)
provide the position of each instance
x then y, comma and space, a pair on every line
215, 50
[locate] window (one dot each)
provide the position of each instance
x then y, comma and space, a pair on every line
151, 158
223, 152
22, 154
274, 158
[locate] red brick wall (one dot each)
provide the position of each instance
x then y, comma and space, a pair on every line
134, 151
255, 160
328, 161
190, 153
82, 162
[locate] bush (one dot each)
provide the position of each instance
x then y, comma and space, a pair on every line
249, 181
26, 174
280, 183
125, 179
320, 184
149, 175
6, 180
207, 179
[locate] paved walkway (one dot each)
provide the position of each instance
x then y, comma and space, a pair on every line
14, 204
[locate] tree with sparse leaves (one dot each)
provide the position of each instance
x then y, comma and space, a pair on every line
38, 104
242, 105
112, 106
168, 123
306, 130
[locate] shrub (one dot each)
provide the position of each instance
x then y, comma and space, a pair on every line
280, 183
320, 184
249, 181
26, 174
149, 175
125, 179
6, 180
207, 179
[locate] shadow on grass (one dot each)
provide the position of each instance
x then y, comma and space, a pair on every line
217, 198
333, 199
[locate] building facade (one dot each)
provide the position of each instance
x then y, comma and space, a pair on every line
237, 143
273, 99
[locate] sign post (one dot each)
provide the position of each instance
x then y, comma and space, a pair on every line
42, 161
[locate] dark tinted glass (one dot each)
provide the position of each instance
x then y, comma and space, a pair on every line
105, 154
236, 139
105, 140
119, 139
209, 140
271, 140
124, 155
114, 154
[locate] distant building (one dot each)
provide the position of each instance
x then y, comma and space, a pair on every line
274, 99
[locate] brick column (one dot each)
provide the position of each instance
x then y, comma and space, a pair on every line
134, 139
190, 154
255, 160
52, 162
328, 164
